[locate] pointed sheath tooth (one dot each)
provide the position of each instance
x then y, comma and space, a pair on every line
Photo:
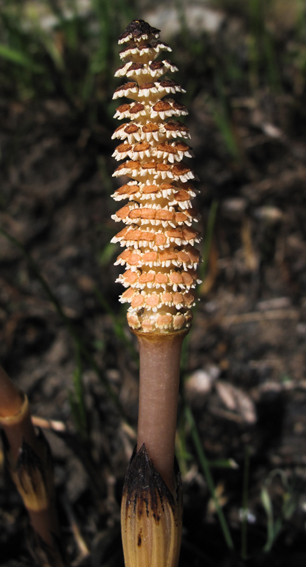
151, 517
33, 475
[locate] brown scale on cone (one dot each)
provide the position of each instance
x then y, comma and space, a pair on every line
160, 257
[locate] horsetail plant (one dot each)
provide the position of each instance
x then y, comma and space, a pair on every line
28, 459
160, 275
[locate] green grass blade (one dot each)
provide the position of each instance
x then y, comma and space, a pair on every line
208, 477
223, 464
267, 504
77, 401
208, 238
19, 58
117, 326
245, 504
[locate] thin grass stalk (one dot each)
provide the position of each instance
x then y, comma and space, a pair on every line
208, 477
209, 237
244, 524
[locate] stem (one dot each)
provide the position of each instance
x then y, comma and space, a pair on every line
15, 416
158, 394
11, 399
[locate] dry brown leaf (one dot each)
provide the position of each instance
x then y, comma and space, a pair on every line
236, 400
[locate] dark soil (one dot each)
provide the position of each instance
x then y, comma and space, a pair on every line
246, 352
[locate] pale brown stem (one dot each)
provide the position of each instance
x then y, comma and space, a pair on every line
45, 524
15, 416
158, 395
10, 398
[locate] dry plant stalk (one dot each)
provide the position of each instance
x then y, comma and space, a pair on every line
28, 458
160, 275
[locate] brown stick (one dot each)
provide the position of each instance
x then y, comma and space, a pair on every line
158, 394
